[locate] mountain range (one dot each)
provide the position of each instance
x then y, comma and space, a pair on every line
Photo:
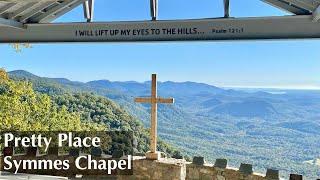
273, 130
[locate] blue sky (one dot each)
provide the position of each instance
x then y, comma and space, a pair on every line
286, 64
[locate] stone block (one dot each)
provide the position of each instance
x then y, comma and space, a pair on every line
198, 160
272, 174
221, 163
53, 151
178, 157
193, 173
139, 154
205, 177
32, 151
246, 169
153, 155
219, 177
157, 173
207, 170
8, 151
295, 177
74, 152
96, 152
117, 154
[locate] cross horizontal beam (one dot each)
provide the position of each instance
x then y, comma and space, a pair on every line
284, 27
158, 100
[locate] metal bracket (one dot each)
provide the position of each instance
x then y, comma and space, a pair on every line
88, 10
154, 9
226, 8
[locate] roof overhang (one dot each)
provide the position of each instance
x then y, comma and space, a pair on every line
31, 21
13, 13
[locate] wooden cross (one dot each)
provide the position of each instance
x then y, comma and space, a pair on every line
154, 100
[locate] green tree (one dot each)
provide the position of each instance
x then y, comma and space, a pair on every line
18, 47
23, 109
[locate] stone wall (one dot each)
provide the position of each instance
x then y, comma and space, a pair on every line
207, 172
163, 169
157, 170
167, 169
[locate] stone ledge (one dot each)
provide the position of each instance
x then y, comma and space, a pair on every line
168, 168
179, 169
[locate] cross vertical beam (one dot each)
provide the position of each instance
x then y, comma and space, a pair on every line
154, 115
154, 100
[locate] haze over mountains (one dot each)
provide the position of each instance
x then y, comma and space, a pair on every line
274, 130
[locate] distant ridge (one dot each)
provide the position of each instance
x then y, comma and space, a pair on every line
22, 73
219, 104
265, 128
247, 108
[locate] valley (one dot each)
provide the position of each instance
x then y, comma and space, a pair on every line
269, 130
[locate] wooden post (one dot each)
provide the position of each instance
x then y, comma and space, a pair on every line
153, 154
154, 117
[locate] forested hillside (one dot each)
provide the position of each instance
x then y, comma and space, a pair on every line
53, 108
268, 128
97, 109
22, 109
